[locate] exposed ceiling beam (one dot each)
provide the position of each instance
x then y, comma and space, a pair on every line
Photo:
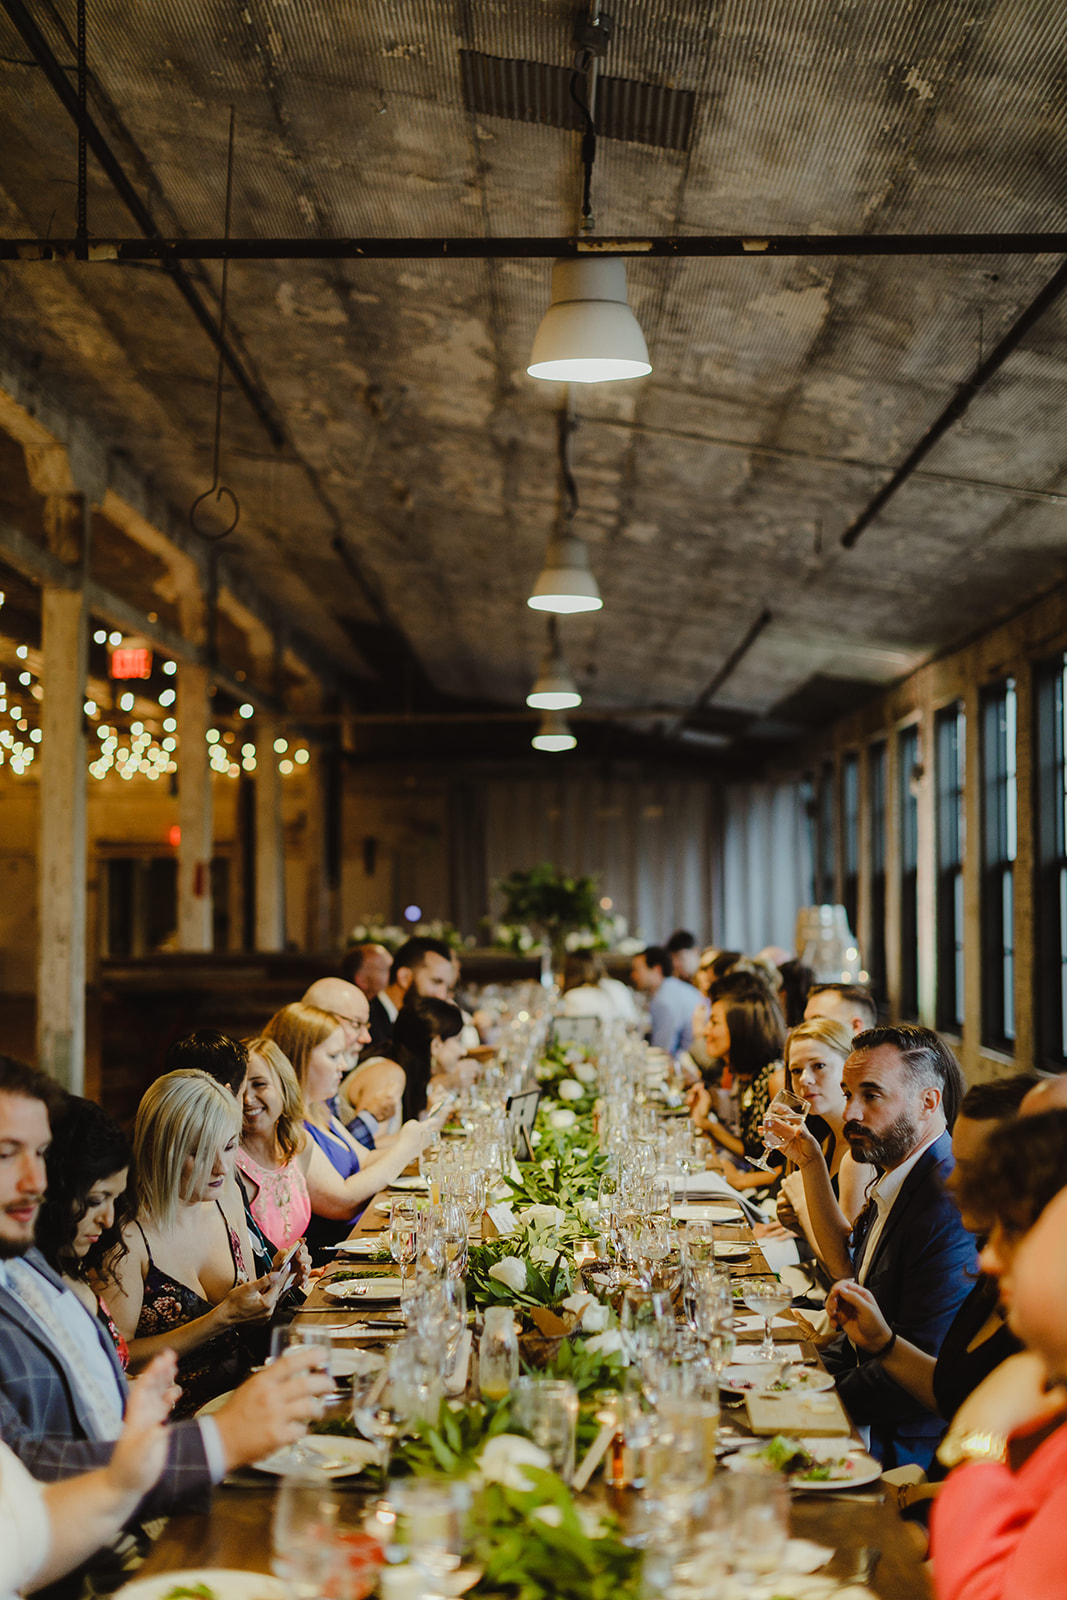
674, 246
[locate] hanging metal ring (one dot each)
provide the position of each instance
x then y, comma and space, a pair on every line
218, 490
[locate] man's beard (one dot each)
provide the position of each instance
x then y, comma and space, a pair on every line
9, 1249
887, 1149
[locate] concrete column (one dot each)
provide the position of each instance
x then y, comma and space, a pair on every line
61, 913
195, 811
270, 844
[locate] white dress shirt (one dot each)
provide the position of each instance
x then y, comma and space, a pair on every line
883, 1194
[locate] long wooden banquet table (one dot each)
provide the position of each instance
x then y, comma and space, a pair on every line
862, 1524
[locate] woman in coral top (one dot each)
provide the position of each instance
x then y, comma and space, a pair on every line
1000, 1527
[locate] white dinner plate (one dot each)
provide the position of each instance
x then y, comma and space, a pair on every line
360, 1290
732, 1252
209, 1407
363, 1247
412, 1182
225, 1583
705, 1211
749, 1378
346, 1363
862, 1468
341, 1457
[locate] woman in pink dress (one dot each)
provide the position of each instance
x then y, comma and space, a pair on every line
272, 1141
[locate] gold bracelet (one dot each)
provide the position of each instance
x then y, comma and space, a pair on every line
975, 1445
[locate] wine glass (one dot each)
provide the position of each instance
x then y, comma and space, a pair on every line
646, 1322
402, 1235
788, 1108
377, 1413
433, 1513
714, 1318
767, 1297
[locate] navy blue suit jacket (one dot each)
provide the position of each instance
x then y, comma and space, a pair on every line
923, 1268
42, 1422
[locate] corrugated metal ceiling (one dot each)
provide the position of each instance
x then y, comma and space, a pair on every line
782, 393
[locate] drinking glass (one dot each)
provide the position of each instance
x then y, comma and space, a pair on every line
498, 1353
646, 1322
788, 1108
430, 1239
759, 1520
454, 1227
302, 1533
378, 1413
767, 1297
294, 1334
432, 1513
547, 1410
402, 1229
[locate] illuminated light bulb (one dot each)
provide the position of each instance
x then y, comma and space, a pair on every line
286, 767
100, 636
126, 701
246, 711
16, 712
170, 668
248, 749
566, 584
555, 688
553, 734
22, 652
26, 678
114, 638
281, 746
170, 744
169, 725
89, 708
136, 727
35, 735
302, 756
233, 769
589, 334
212, 736
22, 724
167, 698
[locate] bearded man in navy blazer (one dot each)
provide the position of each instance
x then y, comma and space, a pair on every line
62, 1388
909, 1247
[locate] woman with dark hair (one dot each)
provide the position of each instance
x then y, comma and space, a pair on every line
1000, 1524
427, 1043
86, 1203
746, 1031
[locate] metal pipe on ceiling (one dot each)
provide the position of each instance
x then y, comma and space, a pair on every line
88, 130
670, 246
1042, 301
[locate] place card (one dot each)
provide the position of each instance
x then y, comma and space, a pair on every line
502, 1219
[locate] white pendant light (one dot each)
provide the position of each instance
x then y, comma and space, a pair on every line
566, 584
555, 688
589, 334
554, 733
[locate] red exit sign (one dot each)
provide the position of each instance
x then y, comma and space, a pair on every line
131, 661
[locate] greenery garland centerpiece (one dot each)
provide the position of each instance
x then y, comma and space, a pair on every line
553, 903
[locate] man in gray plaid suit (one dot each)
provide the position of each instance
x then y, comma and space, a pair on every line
62, 1388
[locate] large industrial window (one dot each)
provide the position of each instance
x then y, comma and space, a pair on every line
874, 955
907, 762
950, 770
998, 866
824, 872
1050, 952
850, 837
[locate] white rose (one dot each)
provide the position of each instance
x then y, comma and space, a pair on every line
561, 1119
579, 1301
543, 1217
570, 1090
535, 1137
606, 1343
510, 1271
542, 1256
503, 1460
595, 1319
585, 1070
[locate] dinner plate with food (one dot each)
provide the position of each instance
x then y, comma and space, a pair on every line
810, 1464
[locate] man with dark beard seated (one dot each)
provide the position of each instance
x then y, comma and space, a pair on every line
908, 1246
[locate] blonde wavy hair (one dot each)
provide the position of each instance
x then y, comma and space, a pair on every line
183, 1116
288, 1130
823, 1030
297, 1030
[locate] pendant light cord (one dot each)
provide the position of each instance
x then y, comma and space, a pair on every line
217, 489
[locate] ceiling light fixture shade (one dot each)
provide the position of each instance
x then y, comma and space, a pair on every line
589, 334
566, 584
554, 733
555, 688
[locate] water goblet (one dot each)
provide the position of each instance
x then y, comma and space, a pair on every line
767, 1297
788, 1108
302, 1532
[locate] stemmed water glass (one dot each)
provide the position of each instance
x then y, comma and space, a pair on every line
402, 1235
714, 1321
788, 1108
646, 1322
302, 1533
767, 1297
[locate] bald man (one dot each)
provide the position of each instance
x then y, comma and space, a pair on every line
349, 1005
1048, 1095
848, 1003
369, 1101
